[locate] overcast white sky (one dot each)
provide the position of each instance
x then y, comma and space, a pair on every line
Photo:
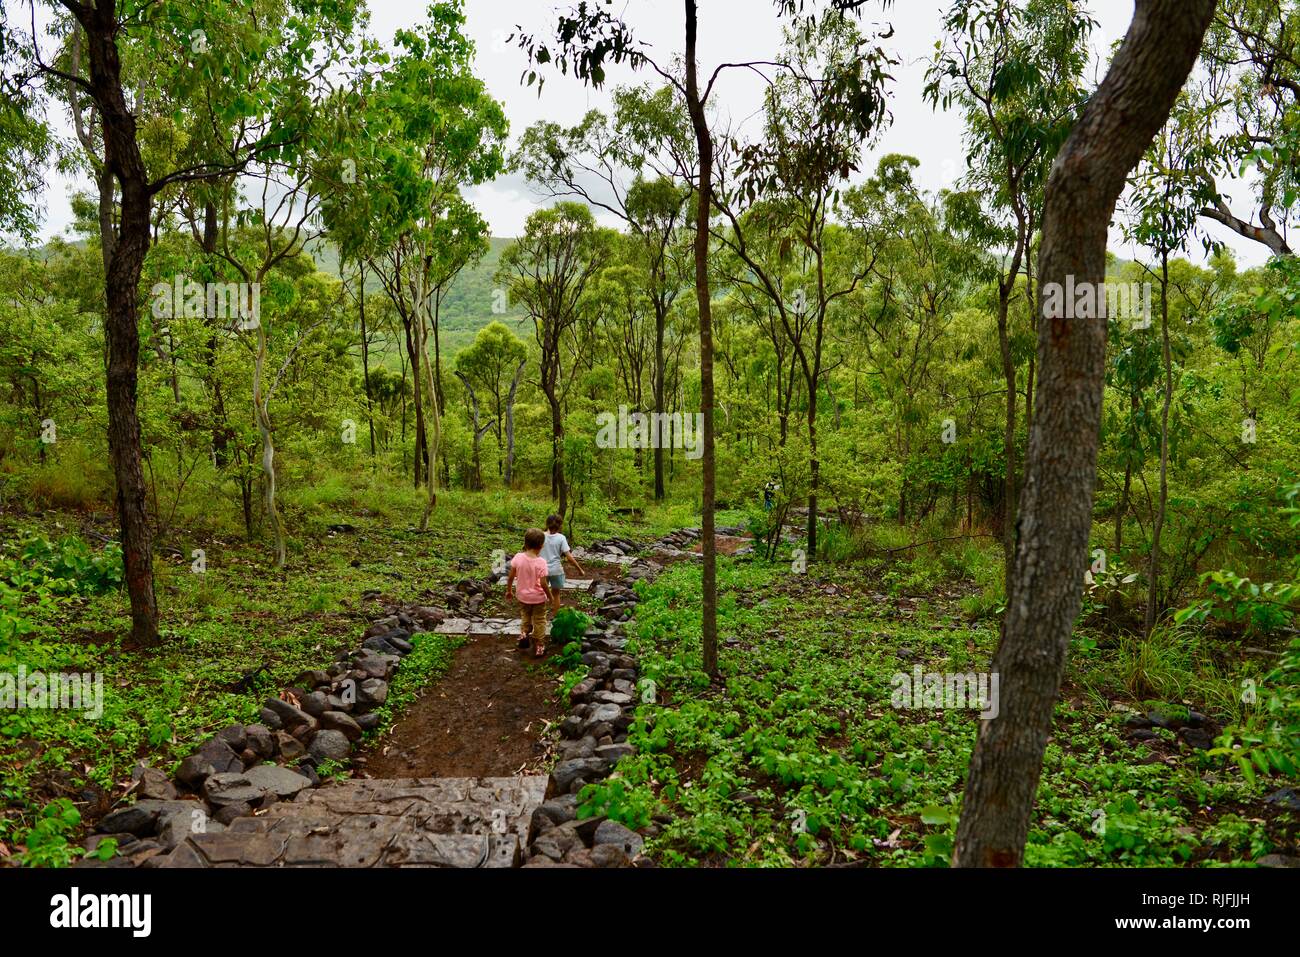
730, 30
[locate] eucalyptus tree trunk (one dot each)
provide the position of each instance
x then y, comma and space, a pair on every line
423, 323
124, 254
704, 300
261, 405
1153, 585
510, 423
1117, 125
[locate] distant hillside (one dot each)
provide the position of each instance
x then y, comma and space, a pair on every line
467, 307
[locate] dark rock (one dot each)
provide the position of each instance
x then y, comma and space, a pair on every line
560, 810
177, 826
1142, 734
314, 704
609, 855
1197, 738
1284, 798
290, 748
309, 772
235, 736
270, 719
338, 721
224, 815
582, 748
304, 731
281, 782
1162, 720
368, 722
140, 818
566, 773
614, 752
230, 788
193, 770
571, 726
1136, 721
260, 740
290, 717
153, 784
330, 746
313, 678
373, 691
611, 832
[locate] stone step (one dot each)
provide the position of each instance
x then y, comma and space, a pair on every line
405, 822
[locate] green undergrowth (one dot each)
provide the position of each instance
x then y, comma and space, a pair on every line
797, 756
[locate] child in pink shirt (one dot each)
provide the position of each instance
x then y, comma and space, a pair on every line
528, 578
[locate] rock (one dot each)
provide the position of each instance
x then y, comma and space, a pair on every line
304, 731
290, 717
193, 770
1278, 860
1285, 798
259, 740
315, 704
313, 678
224, 815
230, 788
141, 817
281, 782
611, 832
609, 855
215, 757
1196, 720
336, 703
1136, 721
373, 691
309, 772
235, 736
290, 748
270, 719
567, 773
380, 643
612, 697
584, 689
400, 642
571, 726
381, 627
368, 722
582, 748
338, 721
1143, 734
614, 752
586, 828
179, 825
560, 810
373, 666
606, 712
1162, 720
1197, 738
330, 746
153, 784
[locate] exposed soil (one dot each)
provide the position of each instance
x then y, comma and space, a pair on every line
484, 718
726, 544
